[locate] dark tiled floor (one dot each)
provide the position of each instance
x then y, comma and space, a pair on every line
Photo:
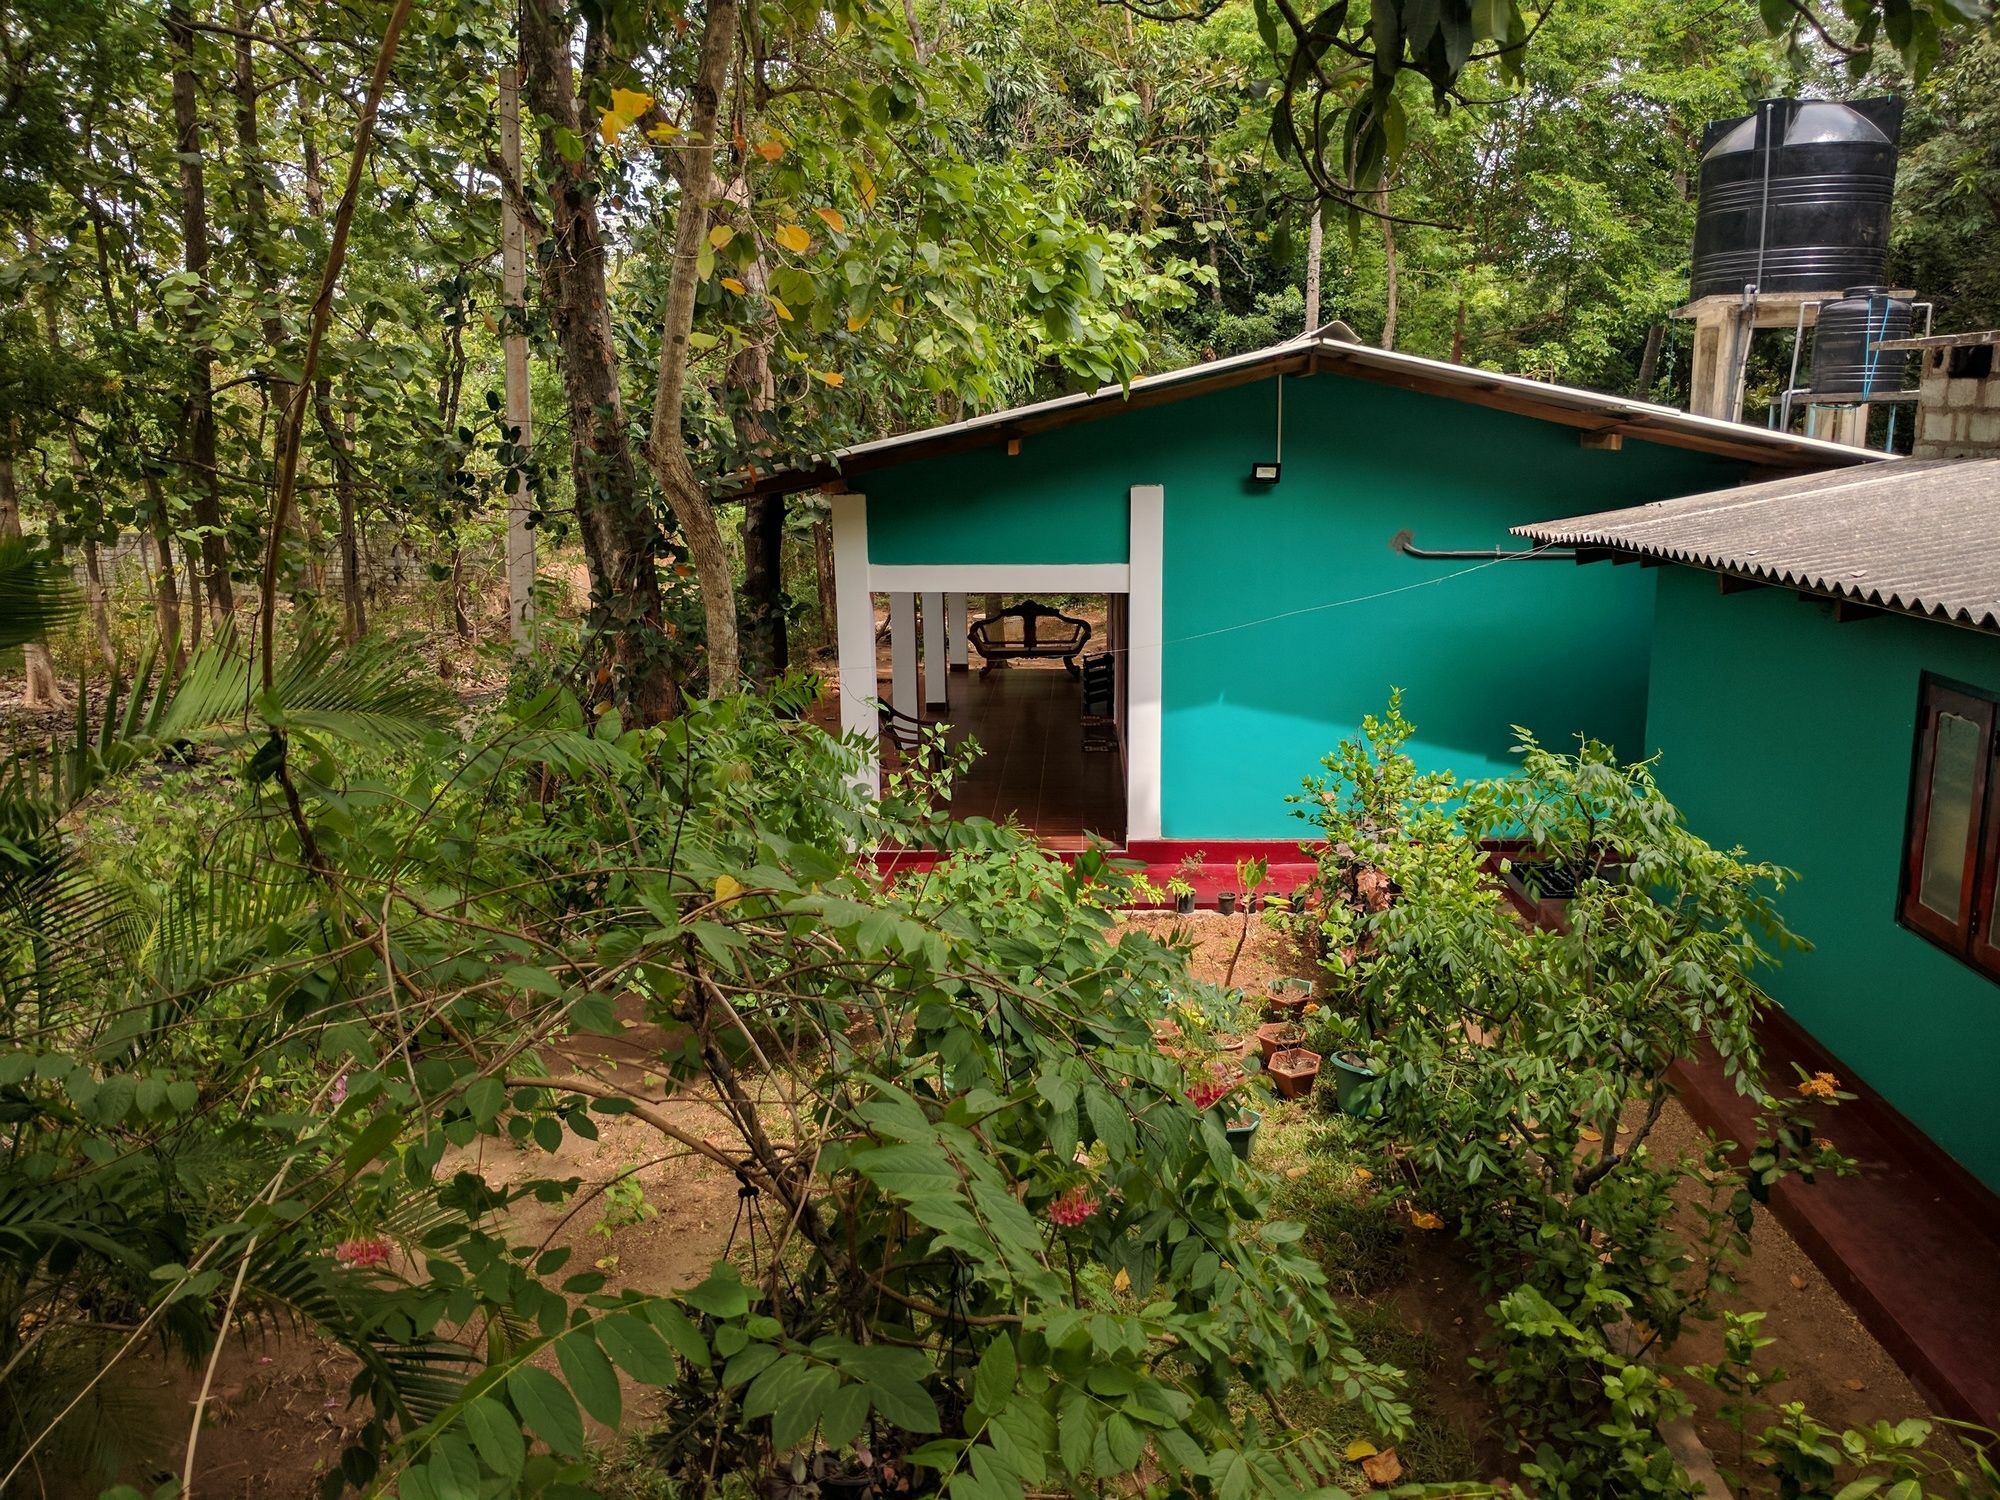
1027, 722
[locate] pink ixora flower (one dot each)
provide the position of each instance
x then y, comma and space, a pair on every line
1072, 1208
363, 1254
339, 1095
1208, 1091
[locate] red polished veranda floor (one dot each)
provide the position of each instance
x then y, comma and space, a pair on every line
1027, 722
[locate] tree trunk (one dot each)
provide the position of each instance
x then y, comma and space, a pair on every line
167, 591
620, 533
666, 444
197, 612
198, 410
257, 216
1649, 362
752, 392
1390, 269
40, 689
354, 609
1458, 335
1315, 250
823, 558
100, 608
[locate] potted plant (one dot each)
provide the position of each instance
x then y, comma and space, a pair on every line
1225, 902
1240, 1125
1293, 1071
1287, 999
1351, 1080
1180, 885
1278, 1036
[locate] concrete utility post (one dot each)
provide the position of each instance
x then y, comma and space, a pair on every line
1723, 329
514, 344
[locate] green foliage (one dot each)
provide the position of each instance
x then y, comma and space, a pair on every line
1523, 1069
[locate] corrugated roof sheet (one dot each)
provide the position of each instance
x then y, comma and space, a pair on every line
1921, 537
1336, 353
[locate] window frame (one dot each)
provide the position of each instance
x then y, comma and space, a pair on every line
1967, 936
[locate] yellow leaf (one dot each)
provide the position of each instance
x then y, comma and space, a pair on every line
721, 235
1590, 1135
1122, 1282
1425, 1220
831, 217
727, 889
778, 307
663, 132
794, 238
833, 377
856, 324
864, 184
611, 125
630, 103
1357, 1450
731, 284
770, 150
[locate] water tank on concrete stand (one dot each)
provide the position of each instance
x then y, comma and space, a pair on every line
1795, 197
1847, 367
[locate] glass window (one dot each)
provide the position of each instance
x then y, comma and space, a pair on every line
1948, 821
1951, 886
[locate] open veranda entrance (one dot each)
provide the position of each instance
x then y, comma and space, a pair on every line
1034, 681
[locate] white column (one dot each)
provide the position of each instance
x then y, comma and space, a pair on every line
854, 615
903, 653
1146, 633
937, 688
954, 629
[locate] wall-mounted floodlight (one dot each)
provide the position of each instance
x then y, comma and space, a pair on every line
1264, 473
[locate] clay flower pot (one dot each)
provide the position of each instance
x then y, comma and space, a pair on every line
1274, 1037
1287, 1004
1293, 1071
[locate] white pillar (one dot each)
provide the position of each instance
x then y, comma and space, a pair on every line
903, 653
954, 630
854, 617
1146, 632
937, 689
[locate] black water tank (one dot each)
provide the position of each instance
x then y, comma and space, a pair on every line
1846, 367
1795, 197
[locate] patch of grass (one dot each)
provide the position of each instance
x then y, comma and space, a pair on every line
1326, 1182
1438, 1448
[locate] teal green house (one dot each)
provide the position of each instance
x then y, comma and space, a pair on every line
1272, 542
1825, 669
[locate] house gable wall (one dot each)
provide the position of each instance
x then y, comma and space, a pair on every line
1792, 735
1287, 615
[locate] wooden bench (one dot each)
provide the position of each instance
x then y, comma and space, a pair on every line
1046, 635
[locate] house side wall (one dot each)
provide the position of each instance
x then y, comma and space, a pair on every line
1792, 735
1287, 614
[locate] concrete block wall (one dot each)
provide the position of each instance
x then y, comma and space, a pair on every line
1958, 404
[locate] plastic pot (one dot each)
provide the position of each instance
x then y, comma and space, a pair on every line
1242, 1131
1352, 1079
1226, 903
1298, 902
1293, 1071
1183, 903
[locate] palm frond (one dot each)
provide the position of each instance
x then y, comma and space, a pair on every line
36, 595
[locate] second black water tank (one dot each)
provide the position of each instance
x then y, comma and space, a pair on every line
1795, 197
1846, 366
